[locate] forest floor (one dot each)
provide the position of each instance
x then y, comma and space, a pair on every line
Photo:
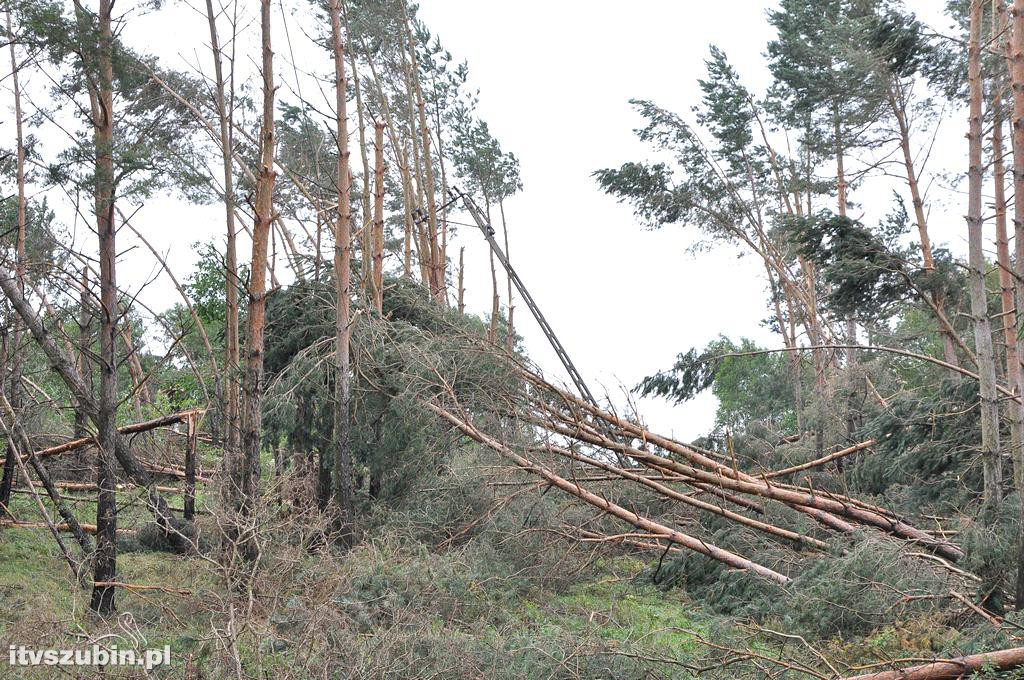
496, 605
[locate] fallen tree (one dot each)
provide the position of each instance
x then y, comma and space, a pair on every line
64, 365
655, 529
947, 669
834, 511
133, 428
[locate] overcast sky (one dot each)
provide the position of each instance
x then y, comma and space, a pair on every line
555, 78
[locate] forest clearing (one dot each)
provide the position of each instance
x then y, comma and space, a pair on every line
290, 375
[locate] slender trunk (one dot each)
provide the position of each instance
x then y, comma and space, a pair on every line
899, 112
402, 160
378, 218
84, 343
462, 279
366, 222
898, 106
343, 477
511, 338
436, 283
1015, 57
191, 449
7, 479
247, 474
840, 165
141, 394
9, 462
990, 453
231, 349
1006, 290
105, 562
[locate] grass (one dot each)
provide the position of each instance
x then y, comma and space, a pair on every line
622, 611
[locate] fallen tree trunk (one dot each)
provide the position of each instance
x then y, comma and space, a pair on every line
89, 486
62, 527
589, 435
669, 492
819, 506
127, 429
1002, 660
64, 365
659, 530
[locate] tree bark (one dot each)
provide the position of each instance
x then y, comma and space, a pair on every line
247, 473
231, 347
7, 479
84, 342
378, 218
105, 561
960, 667
1006, 290
462, 280
990, 453
436, 270
343, 476
1015, 63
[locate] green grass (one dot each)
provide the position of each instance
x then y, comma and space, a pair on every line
623, 612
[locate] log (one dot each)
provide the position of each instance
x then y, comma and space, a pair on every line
133, 428
669, 492
819, 506
659, 530
1002, 660
138, 587
62, 527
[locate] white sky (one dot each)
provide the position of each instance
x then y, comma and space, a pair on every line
555, 78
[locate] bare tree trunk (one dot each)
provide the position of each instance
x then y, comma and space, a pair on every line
898, 105
950, 669
462, 279
247, 475
231, 348
378, 218
191, 449
1015, 55
7, 479
990, 453
511, 338
436, 283
105, 562
1006, 289
84, 342
343, 476
366, 228
899, 112
141, 394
